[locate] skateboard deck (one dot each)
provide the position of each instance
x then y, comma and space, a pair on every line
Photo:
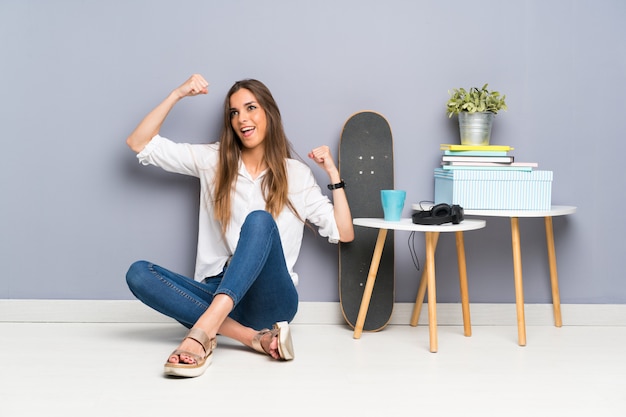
366, 166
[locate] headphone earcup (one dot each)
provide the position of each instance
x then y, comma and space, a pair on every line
457, 214
439, 214
435, 216
422, 217
440, 210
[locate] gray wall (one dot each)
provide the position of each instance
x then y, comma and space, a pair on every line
77, 76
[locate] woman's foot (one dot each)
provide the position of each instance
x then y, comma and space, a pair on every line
193, 356
276, 342
188, 345
268, 343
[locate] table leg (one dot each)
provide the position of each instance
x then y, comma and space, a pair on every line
519, 287
554, 278
432, 293
460, 253
369, 285
419, 301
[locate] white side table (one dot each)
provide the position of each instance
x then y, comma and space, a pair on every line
514, 215
432, 235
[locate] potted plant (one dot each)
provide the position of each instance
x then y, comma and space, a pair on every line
476, 109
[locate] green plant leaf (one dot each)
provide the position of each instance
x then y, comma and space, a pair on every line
473, 100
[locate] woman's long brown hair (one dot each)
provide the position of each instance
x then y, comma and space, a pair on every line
277, 149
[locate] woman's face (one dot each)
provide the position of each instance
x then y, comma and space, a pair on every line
247, 118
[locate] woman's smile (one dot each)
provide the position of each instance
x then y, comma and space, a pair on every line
247, 118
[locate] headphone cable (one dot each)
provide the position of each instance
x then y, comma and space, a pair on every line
412, 251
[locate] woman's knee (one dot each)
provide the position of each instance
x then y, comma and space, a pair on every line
136, 273
259, 219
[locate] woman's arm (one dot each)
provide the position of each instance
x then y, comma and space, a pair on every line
343, 217
151, 124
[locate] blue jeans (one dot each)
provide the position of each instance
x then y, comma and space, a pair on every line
256, 279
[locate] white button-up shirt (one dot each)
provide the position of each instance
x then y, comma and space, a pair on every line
214, 249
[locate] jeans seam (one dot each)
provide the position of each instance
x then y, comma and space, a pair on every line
177, 289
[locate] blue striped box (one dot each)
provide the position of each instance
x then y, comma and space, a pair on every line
494, 189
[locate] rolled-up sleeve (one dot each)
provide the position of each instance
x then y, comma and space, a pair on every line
180, 158
319, 209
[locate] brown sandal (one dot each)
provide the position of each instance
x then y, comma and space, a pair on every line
285, 345
201, 363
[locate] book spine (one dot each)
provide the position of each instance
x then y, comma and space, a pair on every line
499, 159
450, 147
487, 168
475, 153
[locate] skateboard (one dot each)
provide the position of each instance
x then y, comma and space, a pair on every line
366, 166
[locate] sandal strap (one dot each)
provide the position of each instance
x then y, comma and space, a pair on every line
201, 337
256, 341
280, 331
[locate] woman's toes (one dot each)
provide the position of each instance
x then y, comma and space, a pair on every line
186, 359
182, 358
271, 345
188, 345
274, 348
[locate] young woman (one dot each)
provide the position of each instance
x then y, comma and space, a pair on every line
255, 200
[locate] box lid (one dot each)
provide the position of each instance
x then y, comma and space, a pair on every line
492, 175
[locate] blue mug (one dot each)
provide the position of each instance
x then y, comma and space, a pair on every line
393, 203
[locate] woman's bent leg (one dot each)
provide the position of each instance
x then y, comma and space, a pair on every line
169, 293
257, 278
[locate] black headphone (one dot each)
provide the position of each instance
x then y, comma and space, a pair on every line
439, 214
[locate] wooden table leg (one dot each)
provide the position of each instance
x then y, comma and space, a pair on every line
460, 252
369, 285
432, 293
519, 286
554, 278
419, 301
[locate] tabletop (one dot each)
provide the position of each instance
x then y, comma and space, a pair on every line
407, 224
554, 211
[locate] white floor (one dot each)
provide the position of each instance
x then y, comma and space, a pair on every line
72, 369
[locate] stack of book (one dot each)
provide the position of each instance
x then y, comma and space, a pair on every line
481, 157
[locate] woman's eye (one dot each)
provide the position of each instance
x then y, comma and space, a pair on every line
251, 107
233, 113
